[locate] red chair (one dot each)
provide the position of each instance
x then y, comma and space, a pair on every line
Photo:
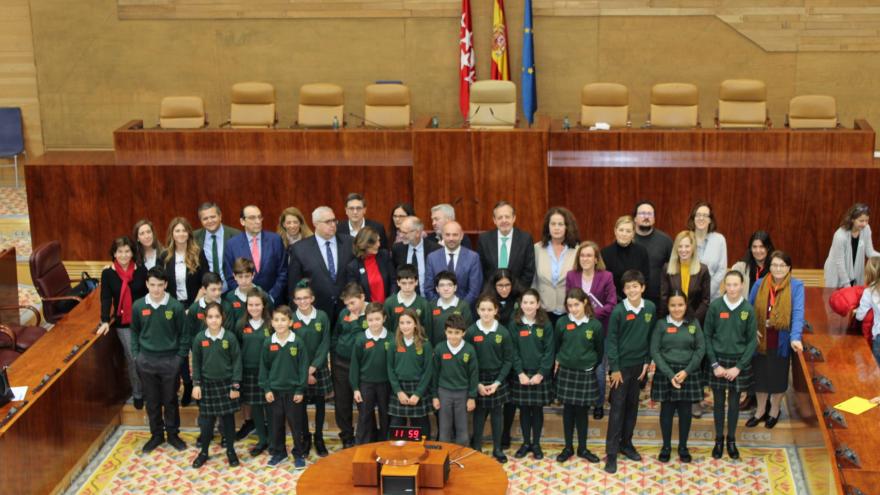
8, 354
25, 335
51, 280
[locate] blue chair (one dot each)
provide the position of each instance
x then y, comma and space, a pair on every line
11, 138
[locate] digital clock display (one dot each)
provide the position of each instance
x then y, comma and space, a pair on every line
408, 433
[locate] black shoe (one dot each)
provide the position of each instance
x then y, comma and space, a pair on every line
176, 442
347, 444
320, 448
718, 449
277, 459
522, 451
246, 428
537, 453
598, 412
665, 454
684, 455
152, 443
257, 450
499, 456
589, 456
753, 421
138, 403
732, 451
771, 421
564, 455
505, 442
200, 461
631, 453
232, 457
611, 464
187, 397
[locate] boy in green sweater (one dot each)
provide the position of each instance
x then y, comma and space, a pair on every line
243, 271
455, 377
284, 369
351, 323
369, 376
445, 284
628, 350
407, 298
159, 345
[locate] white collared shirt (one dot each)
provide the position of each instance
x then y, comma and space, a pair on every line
255, 324
408, 341
454, 350
240, 295
444, 306
150, 260
219, 335
180, 276
527, 321
670, 319
418, 252
455, 258
250, 242
290, 338
154, 304
491, 329
381, 336
353, 231
322, 248
209, 254
732, 305
631, 308
406, 303
307, 319
582, 321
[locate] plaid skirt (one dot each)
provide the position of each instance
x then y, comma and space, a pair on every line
322, 388
420, 410
215, 399
531, 395
251, 393
499, 398
742, 383
577, 387
691, 390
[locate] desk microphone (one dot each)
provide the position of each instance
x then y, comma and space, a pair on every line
492, 111
366, 120
467, 120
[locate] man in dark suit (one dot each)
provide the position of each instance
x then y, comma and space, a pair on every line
455, 258
507, 247
440, 214
322, 259
212, 236
415, 250
262, 247
356, 211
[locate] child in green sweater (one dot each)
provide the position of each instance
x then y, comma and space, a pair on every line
216, 381
409, 372
369, 376
407, 298
212, 287
445, 284
455, 377
351, 323
284, 370
252, 330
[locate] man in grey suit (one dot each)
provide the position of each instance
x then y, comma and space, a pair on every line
212, 236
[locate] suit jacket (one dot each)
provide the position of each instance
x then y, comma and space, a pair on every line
307, 262
356, 272
603, 294
193, 280
272, 274
698, 293
228, 233
467, 270
520, 255
342, 228
552, 295
399, 254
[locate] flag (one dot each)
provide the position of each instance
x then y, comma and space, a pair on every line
528, 83
467, 72
499, 43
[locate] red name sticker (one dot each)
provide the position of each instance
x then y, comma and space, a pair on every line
570, 326
248, 330
630, 317
146, 312
724, 315
436, 312
200, 316
401, 349
398, 309
297, 325
524, 333
347, 318
447, 356
369, 344
236, 304
274, 347
205, 343
478, 338
671, 329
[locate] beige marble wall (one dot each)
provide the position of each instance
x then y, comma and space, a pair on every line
18, 75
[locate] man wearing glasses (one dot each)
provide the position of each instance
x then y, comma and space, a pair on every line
264, 248
415, 249
356, 211
658, 244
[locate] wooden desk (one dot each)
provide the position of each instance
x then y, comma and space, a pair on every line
51, 433
330, 475
850, 365
9, 285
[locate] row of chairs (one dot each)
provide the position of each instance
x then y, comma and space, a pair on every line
742, 103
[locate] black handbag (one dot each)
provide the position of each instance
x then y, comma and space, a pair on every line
85, 287
5, 390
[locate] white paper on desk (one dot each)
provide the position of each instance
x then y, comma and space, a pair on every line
18, 393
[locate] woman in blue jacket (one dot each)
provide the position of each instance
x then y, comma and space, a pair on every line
778, 300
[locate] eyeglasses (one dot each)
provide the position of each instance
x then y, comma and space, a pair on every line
328, 221
503, 285
398, 216
254, 217
778, 266
354, 208
302, 299
646, 214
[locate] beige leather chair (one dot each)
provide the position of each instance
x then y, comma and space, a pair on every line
253, 105
605, 102
674, 105
812, 112
319, 103
182, 112
387, 105
742, 103
493, 105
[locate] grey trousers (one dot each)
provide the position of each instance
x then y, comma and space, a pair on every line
453, 416
124, 334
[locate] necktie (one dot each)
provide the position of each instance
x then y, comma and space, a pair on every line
415, 264
451, 265
331, 265
502, 260
255, 253
215, 258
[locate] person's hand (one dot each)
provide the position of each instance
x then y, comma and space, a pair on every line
436, 403
312, 380
481, 389
297, 398
644, 372
357, 396
536, 379
197, 393
414, 400
675, 383
402, 397
270, 397
681, 376
471, 405
616, 379
719, 371
652, 368
103, 328
491, 389
312, 370
732, 373
797, 346
556, 367
876, 400
201, 294
234, 394
523, 379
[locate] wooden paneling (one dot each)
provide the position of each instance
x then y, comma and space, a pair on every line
18, 72
9, 285
60, 422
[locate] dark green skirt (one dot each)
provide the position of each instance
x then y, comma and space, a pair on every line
420, 410
531, 395
577, 387
251, 393
215, 399
321, 389
499, 398
662, 390
742, 383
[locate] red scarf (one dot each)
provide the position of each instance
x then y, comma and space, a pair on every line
374, 278
123, 312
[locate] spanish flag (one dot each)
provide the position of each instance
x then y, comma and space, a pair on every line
499, 43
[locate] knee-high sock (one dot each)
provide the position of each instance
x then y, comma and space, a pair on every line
667, 412
684, 422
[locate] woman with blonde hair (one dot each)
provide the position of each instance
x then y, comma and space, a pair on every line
684, 272
623, 254
292, 226
871, 302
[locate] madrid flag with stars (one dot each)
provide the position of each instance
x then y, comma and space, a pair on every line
467, 71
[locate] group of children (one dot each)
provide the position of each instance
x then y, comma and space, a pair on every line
409, 358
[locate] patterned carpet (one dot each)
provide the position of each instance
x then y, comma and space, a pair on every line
14, 202
120, 469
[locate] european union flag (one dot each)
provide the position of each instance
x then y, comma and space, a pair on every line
529, 85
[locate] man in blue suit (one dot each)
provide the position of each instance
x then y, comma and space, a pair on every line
262, 247
456, 258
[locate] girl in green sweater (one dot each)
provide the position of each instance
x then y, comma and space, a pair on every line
677, 348
252, 329
216, 380
731, 339
409, 372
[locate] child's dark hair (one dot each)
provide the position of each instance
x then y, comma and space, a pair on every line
303, 284
407, 271
735, 273
374, 307
157, 273
266, 315
352, 289
580, 295
515, 288
218, 307
455, 322
243, 265
541, 317
445, 275
211, 278
633, 276
284, 310
488, 297
677, 293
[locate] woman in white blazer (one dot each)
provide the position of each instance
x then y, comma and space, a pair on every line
554, 258
850, 247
